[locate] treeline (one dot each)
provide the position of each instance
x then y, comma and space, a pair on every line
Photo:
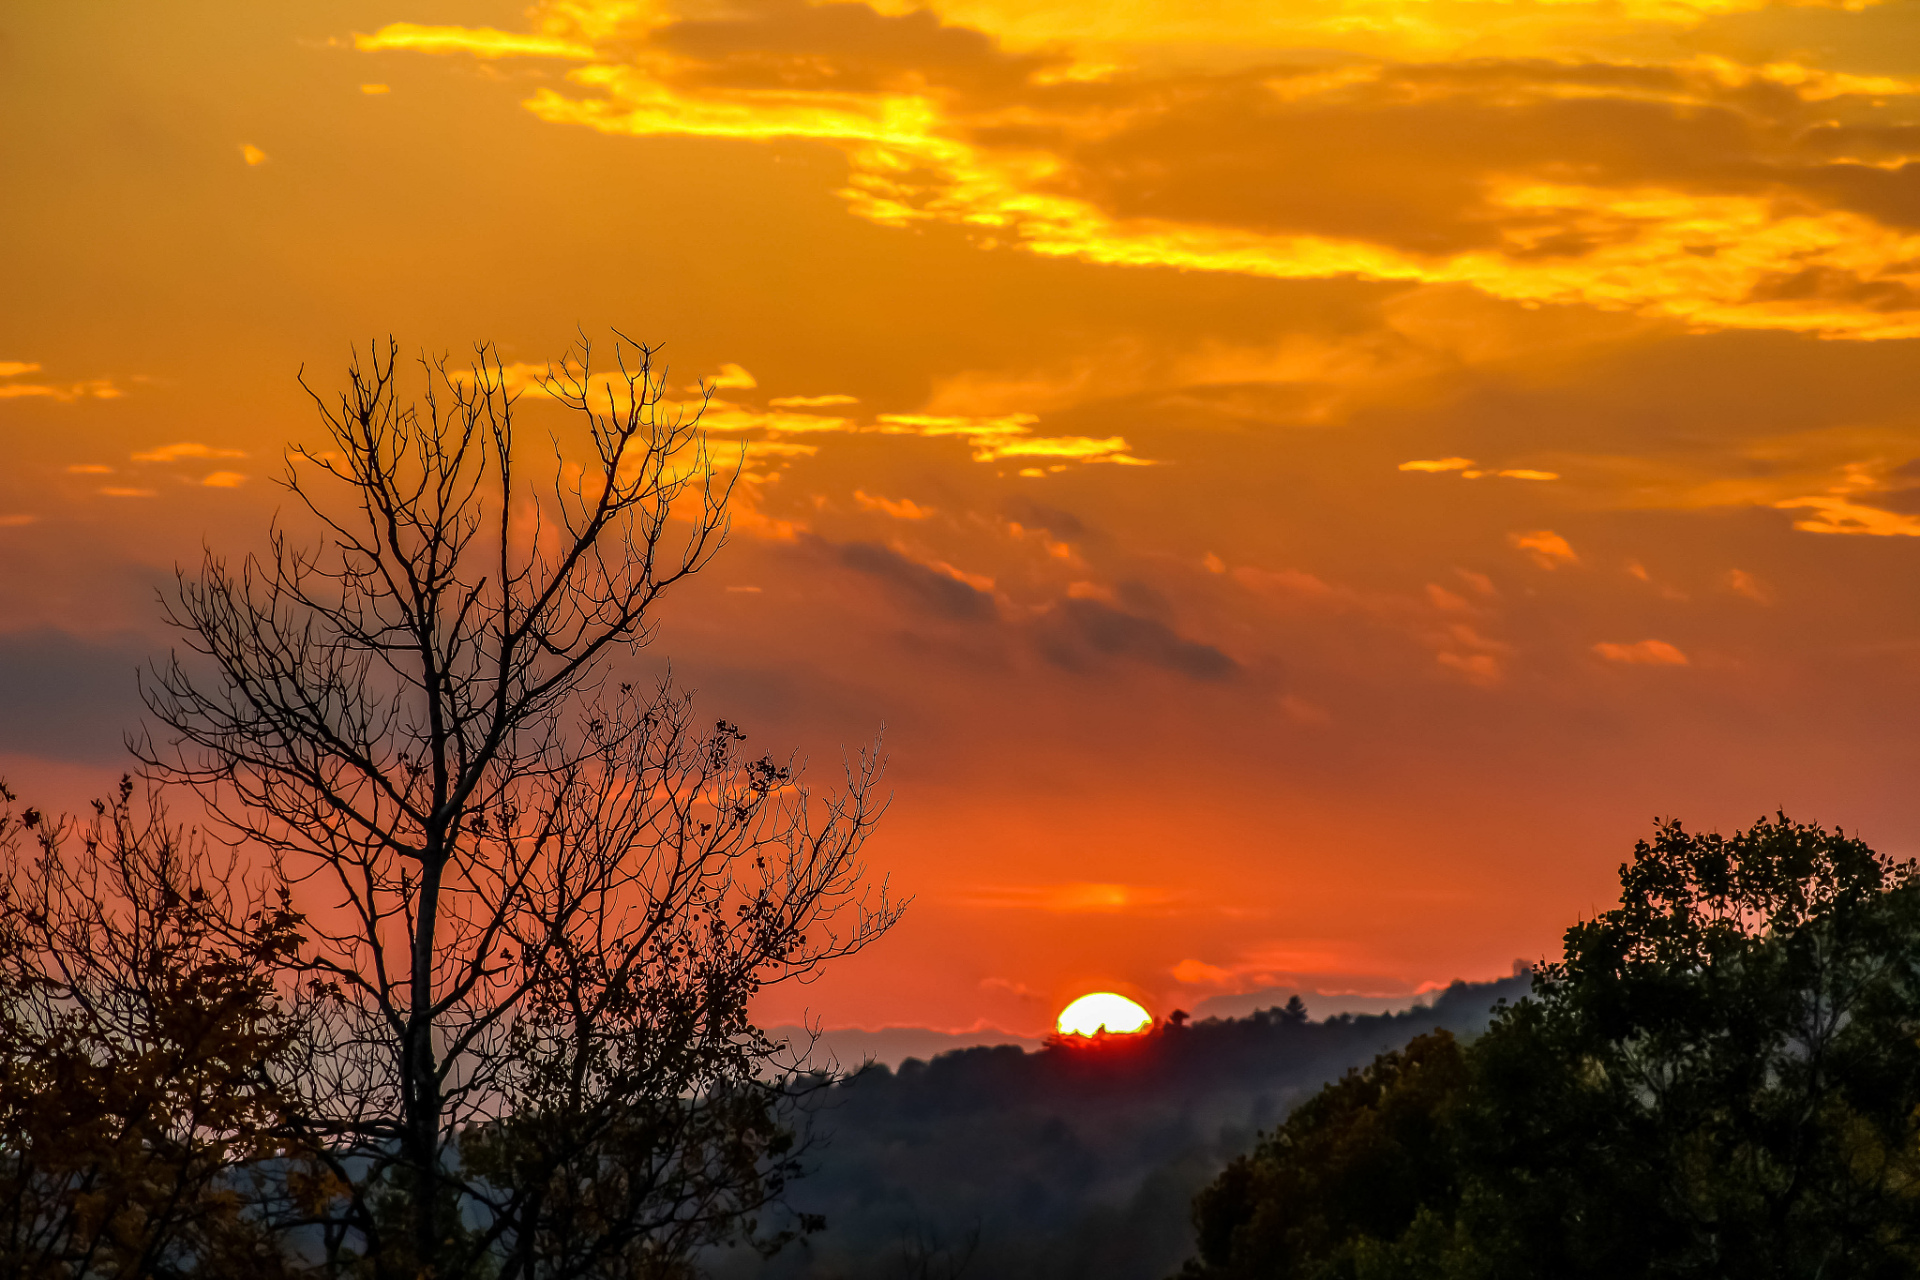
1068, 1162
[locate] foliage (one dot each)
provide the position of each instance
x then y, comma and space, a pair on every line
139, 1039
1720, 1077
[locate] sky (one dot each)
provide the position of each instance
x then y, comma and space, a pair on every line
1302, 485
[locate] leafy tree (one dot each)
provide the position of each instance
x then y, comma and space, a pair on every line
539, 898
1721, 1077
139, 1038
1352, 1165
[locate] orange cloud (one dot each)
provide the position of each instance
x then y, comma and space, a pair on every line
1196, 973
811, 402
97, 388
1840, 515
1072, 898
252, 154
1642, 653
1740, 582
1548, 549
732, 377
898, 508
1467, 469
185, 449
479, 42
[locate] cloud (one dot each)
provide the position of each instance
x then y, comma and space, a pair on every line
478, 42
252, 154
1841, 515
95, 388
1467, 469
223, 480
1008, 436
1692, 189
67, 697
1740, 582
375, 89
1642, 653
1200, 973
811, 402
732, 378
185, 449
898, 508
936, 592
1548, 549
1085, 627
1078, 897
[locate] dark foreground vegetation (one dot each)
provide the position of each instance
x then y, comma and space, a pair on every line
1720, 1078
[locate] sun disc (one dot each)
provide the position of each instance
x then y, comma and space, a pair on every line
1103, 1011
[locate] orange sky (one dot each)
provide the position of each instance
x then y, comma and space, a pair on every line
1303, 482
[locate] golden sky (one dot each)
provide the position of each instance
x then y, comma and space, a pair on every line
1302, 482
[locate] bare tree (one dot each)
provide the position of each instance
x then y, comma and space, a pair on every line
539, 899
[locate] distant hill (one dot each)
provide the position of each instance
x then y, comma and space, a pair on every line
1066, 1163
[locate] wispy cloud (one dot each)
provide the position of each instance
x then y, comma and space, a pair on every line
1074, 898
185, 449
1642, 653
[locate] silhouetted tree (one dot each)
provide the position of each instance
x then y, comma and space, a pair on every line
540, 899
140, 1038
1720, 1078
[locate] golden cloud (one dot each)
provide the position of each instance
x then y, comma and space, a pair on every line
1842, 515
811, 402
1740, 582
1071, 898
479, 42
1548, 549
898, 508
185, 449
97, 388
1713, 193
1642, 653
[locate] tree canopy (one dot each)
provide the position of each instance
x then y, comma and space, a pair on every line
1721, 1076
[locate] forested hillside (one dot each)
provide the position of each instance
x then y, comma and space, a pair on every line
1069, 1162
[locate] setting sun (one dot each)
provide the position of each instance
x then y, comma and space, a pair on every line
1103, 1011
